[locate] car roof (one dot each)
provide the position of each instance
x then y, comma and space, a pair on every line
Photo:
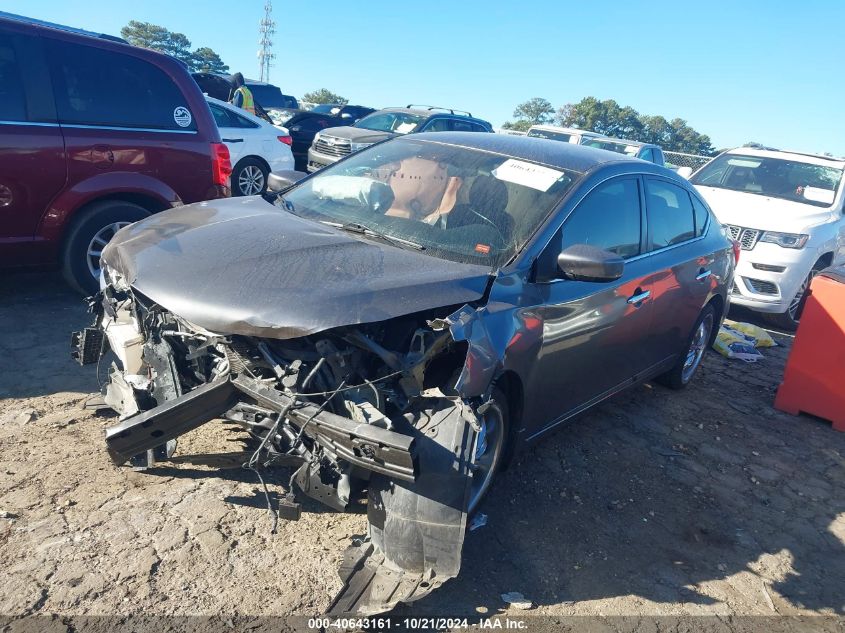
812, 159
431, 111
538, 150
60, 27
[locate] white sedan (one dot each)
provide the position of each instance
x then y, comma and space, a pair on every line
256, 148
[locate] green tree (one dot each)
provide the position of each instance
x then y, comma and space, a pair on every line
535, 111
177, 45
605, 117
610, 119
207, 61
324, 95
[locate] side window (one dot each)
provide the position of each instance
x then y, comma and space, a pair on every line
462, 126
221, 115
477, 127
659, 159
609, 218
647, 155
670, 216
101, 87
701, 215
12, 96
240, 121
438, 125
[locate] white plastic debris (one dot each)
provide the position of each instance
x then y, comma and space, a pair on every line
517, 600
479, 520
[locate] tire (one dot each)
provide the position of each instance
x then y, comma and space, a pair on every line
249, 177
495, 414
91, 229
699, 340
790, 319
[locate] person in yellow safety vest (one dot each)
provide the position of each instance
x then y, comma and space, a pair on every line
242, 97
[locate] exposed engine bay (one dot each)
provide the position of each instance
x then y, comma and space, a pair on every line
360, 411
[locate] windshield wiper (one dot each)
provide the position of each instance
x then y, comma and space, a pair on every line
354, 227
284, 202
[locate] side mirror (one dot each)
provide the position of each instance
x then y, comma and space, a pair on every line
582, 262
684, 172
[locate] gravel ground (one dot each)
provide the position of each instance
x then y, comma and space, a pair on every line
706, 501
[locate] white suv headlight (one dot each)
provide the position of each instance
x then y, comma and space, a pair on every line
787, 240
357, 147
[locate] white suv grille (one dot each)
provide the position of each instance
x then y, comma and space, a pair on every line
747, 238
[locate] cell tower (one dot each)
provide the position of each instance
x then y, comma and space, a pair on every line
266, 29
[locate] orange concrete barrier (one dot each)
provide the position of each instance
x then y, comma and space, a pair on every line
814, 380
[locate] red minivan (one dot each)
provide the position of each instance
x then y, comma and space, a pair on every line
94, 135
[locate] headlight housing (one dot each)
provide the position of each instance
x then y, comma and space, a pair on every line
356, 147
316, 138
786, 240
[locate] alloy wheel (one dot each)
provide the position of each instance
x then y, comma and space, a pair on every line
697, 347
796, 306
251, 180
489, 444
98, 243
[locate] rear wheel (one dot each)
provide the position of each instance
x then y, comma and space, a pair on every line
249, 177
789, 320
681, 374
89, 234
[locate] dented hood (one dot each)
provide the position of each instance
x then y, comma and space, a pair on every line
244, 266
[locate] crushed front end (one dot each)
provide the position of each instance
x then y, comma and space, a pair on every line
354, 410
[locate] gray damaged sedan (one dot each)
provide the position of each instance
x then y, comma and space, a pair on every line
394, 327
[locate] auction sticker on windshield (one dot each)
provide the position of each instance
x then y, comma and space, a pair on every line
527, 174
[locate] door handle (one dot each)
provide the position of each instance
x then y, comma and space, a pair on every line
639, 297
233, 140
702, 275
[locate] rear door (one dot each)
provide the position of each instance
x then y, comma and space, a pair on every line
120, 113
683, 277
33, 167
594, 334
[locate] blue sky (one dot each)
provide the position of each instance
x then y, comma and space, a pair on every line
738, 71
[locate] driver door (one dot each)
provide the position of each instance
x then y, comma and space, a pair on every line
595, 334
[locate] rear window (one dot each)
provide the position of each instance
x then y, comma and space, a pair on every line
12, 98
268, 96
555, 136
104, 88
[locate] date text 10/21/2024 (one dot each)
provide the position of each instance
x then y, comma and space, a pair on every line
417, 623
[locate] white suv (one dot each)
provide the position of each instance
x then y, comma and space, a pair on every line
786, 211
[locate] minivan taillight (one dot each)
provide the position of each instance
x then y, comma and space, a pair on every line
221, 164
287, 140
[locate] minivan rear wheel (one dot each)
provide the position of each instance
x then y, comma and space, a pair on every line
681, 374
89, 234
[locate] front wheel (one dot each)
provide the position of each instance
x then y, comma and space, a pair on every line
789, 320
681, 374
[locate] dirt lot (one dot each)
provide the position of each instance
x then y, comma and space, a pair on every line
702, 502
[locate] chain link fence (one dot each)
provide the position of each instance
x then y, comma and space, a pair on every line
674, 160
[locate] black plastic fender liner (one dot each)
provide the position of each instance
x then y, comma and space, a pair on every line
416, 528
